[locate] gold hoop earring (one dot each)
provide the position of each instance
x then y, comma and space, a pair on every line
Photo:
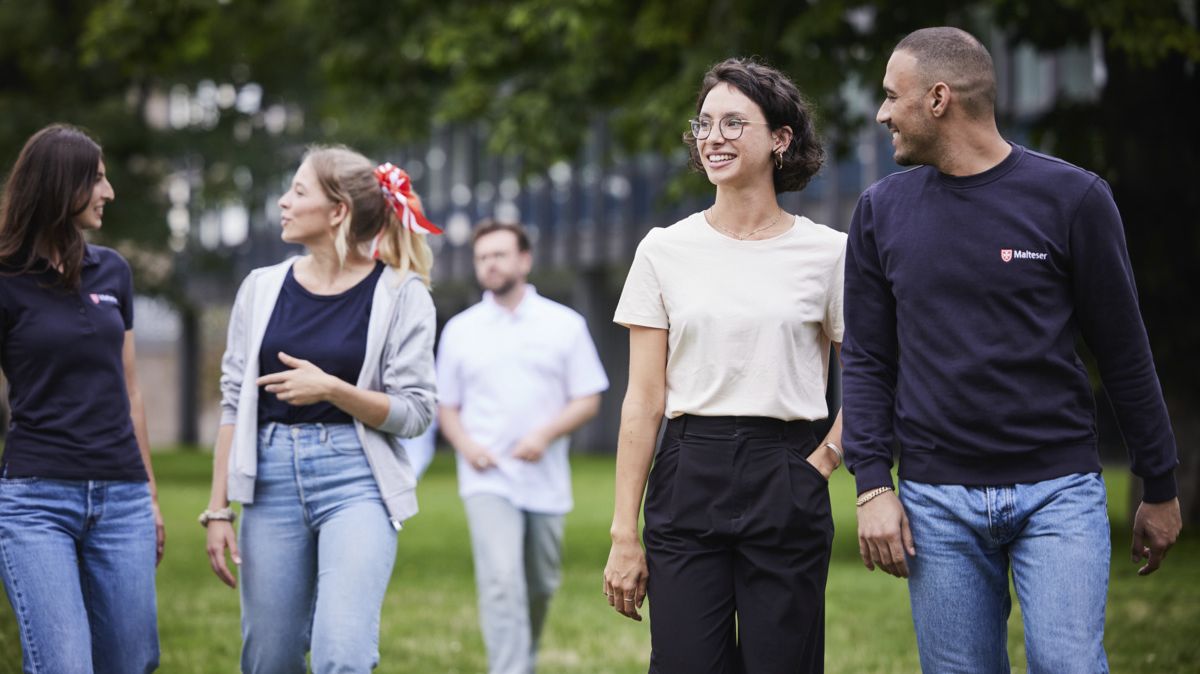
779, 159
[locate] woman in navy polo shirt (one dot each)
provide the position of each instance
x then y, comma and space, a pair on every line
329, 363
80, 530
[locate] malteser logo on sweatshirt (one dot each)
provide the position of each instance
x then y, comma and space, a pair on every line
97, 298
1008, 255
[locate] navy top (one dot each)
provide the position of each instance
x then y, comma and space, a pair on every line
965, 297
330, 331
61, 352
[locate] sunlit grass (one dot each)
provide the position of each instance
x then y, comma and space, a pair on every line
429, 618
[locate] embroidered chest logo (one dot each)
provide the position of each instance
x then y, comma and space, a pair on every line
1008, 255
98, 298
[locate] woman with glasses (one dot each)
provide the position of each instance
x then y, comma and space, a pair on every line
329, 363
731, 314
80, 529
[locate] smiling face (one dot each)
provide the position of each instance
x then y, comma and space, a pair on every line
92, 215
744, 160
906, 112
306, 212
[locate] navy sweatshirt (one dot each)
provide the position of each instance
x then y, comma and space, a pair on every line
964, 301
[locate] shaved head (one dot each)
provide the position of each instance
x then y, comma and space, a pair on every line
954, 56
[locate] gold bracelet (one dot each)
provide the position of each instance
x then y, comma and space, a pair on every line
868, 495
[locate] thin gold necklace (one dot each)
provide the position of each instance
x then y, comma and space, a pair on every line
712, 221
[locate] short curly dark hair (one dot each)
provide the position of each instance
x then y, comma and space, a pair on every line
782, 104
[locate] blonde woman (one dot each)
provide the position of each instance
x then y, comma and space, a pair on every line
329, 363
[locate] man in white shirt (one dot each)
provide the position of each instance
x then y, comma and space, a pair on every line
516, 374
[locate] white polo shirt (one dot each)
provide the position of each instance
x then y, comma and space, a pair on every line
509, 372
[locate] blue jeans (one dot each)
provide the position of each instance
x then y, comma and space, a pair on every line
518, 557
78, 564
317, 550
1055, 536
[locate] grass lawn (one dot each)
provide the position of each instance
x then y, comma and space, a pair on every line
429, 619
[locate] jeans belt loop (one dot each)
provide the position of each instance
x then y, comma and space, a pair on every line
683, 421
324, 433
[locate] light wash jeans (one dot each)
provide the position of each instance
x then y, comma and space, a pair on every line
1055, 536
317, 552
518, 560
78, 565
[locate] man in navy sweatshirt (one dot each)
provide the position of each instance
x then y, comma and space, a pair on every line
969, 281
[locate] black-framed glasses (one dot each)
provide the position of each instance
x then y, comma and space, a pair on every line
731, 127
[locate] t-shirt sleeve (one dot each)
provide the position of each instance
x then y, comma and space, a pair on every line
585, 372
449, 388
126, 293
641, 300
834, 323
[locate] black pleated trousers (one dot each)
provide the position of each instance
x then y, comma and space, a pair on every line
738, 532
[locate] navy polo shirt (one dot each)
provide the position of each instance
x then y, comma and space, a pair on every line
329, 331
61, 353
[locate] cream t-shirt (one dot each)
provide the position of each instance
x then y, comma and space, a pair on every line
749, 322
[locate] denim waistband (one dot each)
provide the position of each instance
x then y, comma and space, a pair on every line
276, 429
686, 424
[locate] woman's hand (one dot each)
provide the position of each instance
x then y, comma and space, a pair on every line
160, 532
304, 384
824, 460
221, 537
625, 578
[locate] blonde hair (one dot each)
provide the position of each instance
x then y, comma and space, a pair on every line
348, 177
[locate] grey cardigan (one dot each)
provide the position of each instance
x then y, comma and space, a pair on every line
398, 362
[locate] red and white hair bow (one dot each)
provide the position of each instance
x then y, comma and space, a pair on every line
397, 189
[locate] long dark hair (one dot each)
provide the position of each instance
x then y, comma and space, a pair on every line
49, 185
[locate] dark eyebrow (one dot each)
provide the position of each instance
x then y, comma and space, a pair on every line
738, 115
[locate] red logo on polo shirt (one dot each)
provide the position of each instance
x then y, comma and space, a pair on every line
1006, 254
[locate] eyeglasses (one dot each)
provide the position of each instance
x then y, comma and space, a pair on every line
731, 127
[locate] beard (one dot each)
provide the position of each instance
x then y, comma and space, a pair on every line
917, 146
504, 286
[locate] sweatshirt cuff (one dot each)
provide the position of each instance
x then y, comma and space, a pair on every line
1159, 488
873, 474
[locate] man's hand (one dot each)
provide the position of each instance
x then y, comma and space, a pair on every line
884, 536
1156, 527
531, 447
479, 457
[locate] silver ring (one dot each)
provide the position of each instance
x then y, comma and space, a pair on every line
629, 600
